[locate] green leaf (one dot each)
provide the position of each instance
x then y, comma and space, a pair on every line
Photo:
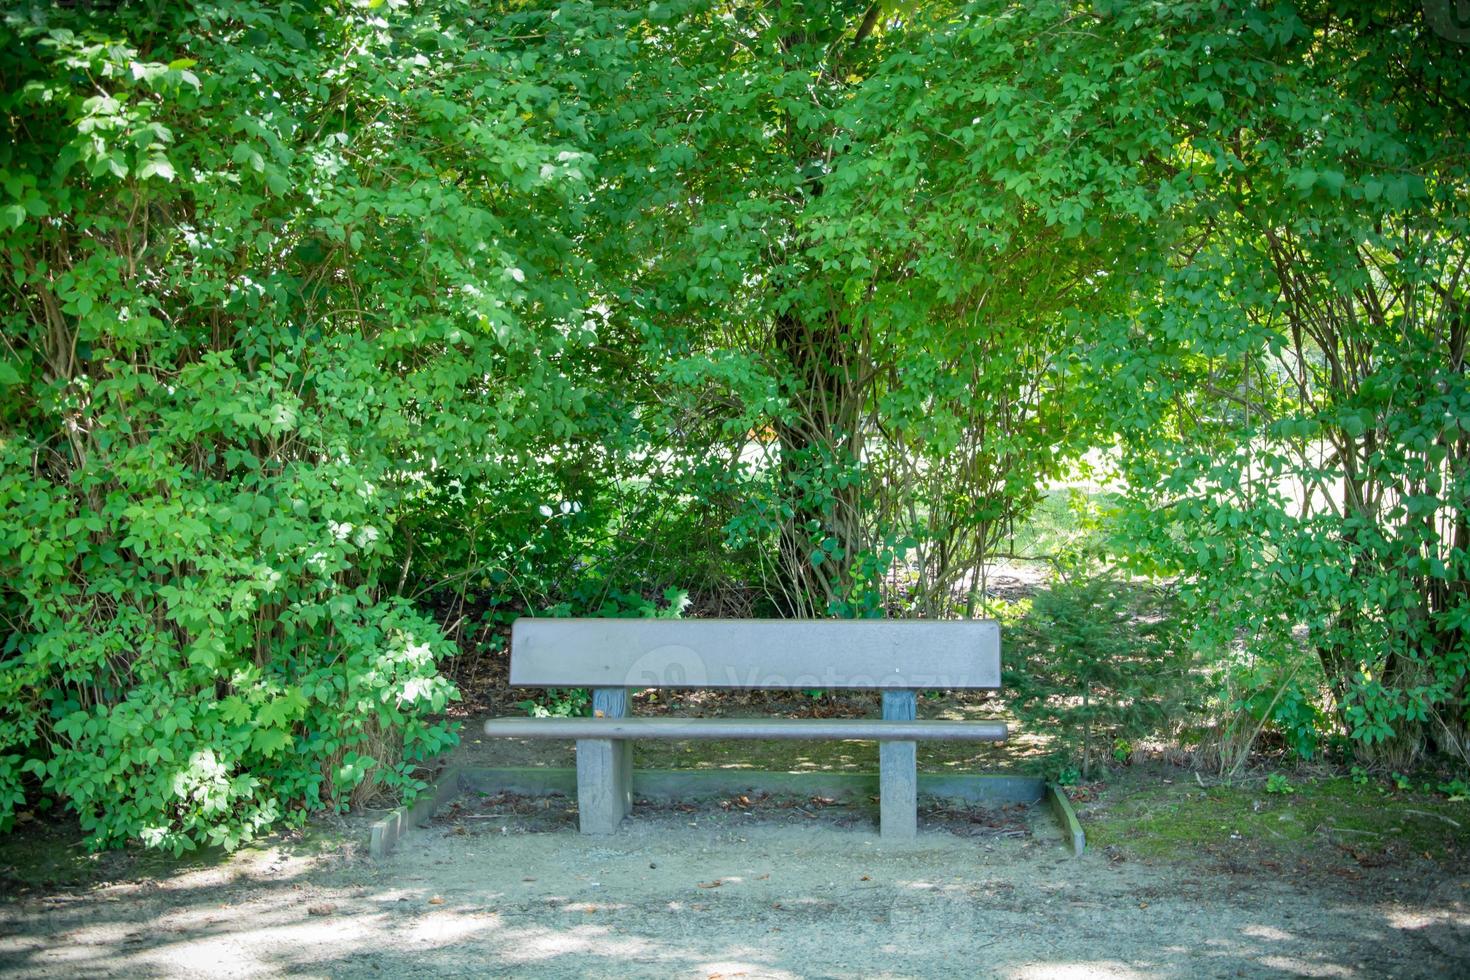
157, 166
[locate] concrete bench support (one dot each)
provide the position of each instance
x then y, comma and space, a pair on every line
605, 769
898, 777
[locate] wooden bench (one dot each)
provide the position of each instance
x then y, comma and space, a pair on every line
612, 656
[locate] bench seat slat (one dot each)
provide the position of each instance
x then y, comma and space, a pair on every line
870, 729
756, 653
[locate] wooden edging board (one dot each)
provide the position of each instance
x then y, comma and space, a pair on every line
386, 832
1066, 817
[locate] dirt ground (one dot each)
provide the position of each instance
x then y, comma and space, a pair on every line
503, 886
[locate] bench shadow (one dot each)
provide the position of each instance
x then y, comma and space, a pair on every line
807, 934
349, 917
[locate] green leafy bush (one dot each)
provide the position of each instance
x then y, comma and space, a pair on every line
264, 284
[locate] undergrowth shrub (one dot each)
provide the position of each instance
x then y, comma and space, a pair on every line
1100, 662
1262, 684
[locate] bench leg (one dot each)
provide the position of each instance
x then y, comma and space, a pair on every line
898, 777
605, 770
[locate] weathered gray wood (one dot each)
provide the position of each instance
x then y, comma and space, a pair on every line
898, 774
871, 729
745, 653
604, 769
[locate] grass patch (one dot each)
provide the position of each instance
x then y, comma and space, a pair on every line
1153, 819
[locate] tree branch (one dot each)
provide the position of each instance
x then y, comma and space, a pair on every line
870, 21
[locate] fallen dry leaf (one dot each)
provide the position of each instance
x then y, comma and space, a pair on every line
437, 900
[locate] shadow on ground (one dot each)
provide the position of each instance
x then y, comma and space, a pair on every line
721, 892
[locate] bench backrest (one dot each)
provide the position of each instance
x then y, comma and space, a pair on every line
755, 653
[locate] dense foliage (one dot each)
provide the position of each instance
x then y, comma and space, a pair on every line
336, 336
267, 275
1296, 421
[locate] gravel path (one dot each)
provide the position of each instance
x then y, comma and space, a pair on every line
714, 894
